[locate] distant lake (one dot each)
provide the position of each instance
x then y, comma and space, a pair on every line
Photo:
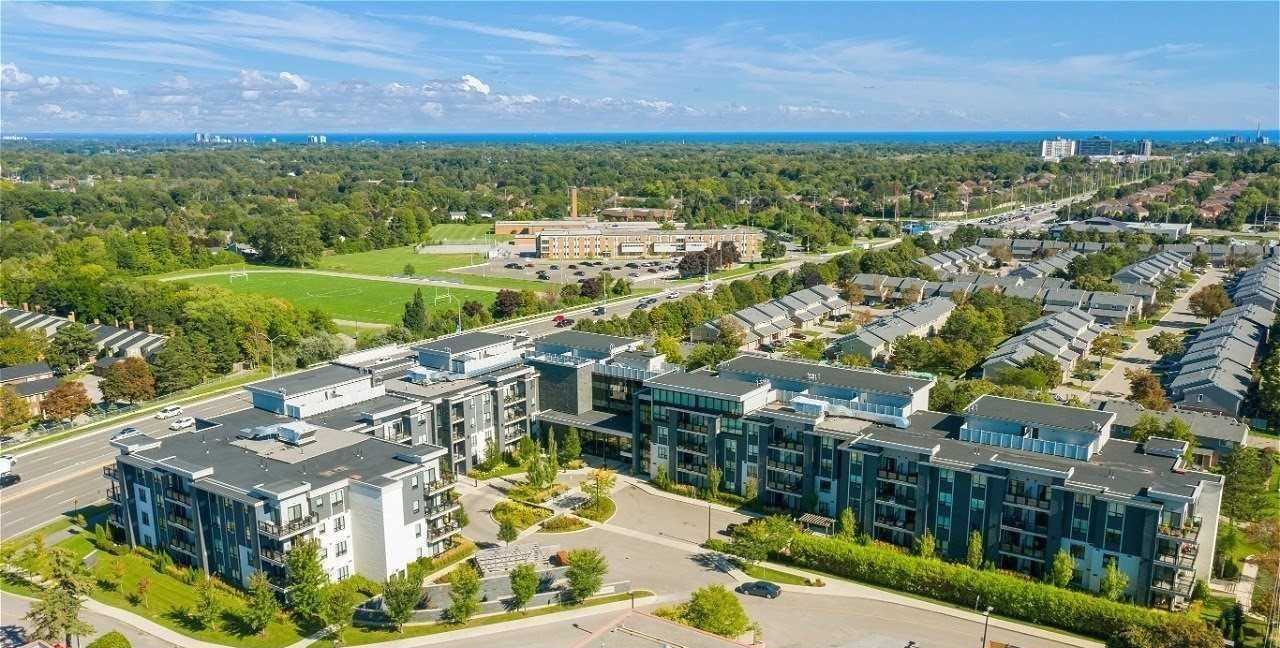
916, 137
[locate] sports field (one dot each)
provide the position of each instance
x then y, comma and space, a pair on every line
391, 261
463, 233
344, 298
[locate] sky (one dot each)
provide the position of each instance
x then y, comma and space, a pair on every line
599, 67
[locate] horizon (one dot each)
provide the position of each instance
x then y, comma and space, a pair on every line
133, 68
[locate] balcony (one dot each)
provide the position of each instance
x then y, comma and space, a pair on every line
902, 478
113, 494
788, 466
1180, 585
891, 499
272, 556
694, 448
788, 445
1019, 525
459, 433
436, 510
790, 488
512, 398
1188, 532
901, 524
446, 481
178, 496
1022, 551
111, 472
273, 530
847, 407
184, 523
1184, 558
692, 428
184, 547
1026, 502
697, 469
444, 530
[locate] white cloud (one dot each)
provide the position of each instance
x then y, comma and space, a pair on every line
607, 26
299, 84
538, 38
10, 75
472, 84
812, 111
433, 108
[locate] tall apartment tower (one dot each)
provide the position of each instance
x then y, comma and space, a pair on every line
1058, 148
1144, 147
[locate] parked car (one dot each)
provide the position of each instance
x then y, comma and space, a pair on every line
763, 589
568, 321
554, 267
169, 412
182, 423
579, 274
573, 266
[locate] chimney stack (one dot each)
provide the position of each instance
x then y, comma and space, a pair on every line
130, 325
95, 321
573, 202
149, 329
71, 316
24, 306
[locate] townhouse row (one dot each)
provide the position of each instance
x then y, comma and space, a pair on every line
1064, 336
1215, 372
774, 321
110, 340
1219, 254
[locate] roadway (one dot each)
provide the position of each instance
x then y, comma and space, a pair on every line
59, 477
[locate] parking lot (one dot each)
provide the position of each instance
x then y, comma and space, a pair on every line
639, 271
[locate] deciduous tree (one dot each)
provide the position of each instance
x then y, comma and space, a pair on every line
306, 579
715, 609
262, 607
66, 401
464, 593
587, 568
1145, 389
1210, 301
524, 584
15, 412
128, 380
71, 347
400, 594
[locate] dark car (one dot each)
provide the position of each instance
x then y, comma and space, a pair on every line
763, 589
579, 273
573, 266
568, 321
598, 310
555, 267
9, 479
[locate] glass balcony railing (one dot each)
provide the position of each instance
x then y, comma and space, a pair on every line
845, 406
1034, 553
289, 528
1028, 502
900, 477
1188, 531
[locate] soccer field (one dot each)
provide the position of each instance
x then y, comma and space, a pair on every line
344, 298
463, 233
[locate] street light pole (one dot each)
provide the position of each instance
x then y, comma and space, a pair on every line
986, 624
448, 296
271, 346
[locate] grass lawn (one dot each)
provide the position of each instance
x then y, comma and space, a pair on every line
360, 636
391, 261
737, 271
522, 516
168, 602
1254, 629
773, 575
526, 493
345, 298
462, 232
599, 511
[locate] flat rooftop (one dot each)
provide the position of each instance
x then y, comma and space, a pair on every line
335, 455
1034, 413
464, 342
353, 416
310, 380
584, 340
704, 382
863, 379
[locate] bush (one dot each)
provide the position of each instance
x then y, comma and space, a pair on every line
369, 587
563, 523
521, 516
112, 639
1010, 595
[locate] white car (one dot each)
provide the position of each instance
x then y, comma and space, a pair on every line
522, 333
182, 423
673, 295
169, 412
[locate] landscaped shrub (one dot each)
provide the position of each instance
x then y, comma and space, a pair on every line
1011, 596
521, 516
112, 639
563, 523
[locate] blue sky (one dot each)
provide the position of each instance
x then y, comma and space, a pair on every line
575, 67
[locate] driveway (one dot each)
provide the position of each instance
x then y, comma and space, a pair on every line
1139, 356
642, 511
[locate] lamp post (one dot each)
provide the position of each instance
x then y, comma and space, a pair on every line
271, 346
986, 624
448, 296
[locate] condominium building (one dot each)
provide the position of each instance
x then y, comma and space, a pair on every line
622, 243
1096, 145
235, 495
1144, 147
1057, 148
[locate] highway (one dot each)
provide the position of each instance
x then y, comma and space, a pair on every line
61, 476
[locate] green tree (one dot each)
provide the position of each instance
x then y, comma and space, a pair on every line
416, 318
207, 608
848, 528
1114, 582
1210, 301
1269, 386
669, 346
464, 593
526, 450
772, 248
507, 531
337, 609
1047, 366
1177, 631
261, 607
1165, 343
715, 609
926, 545
587, 568
306, 580
911, 353
1199, 260
1244, 493
128, 380
572, 448
56, 616
1146, 390
400, 595
1062, 570
600, 483
524, 584
714, 476
409, 270
20, 347
974, 555
71, 347
112, 639
15, 412
177, 365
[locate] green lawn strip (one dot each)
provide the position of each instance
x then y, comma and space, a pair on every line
464, 233
522, 516
361, 300
222, 267
18, 542
206, 389
169, 600
361, 636
79, 545
772, 575
731, 273
391, 262
598, 511
502, 470
1254, 629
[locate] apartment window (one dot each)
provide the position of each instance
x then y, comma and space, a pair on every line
322, 528
340, 523
413, 482
343, 572
340, 549
295, 512
146, 521
660, 436
317, 503
142, 495
416, 505
417, 530
336, 499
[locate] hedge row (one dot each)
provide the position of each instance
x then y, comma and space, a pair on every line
1011, 596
